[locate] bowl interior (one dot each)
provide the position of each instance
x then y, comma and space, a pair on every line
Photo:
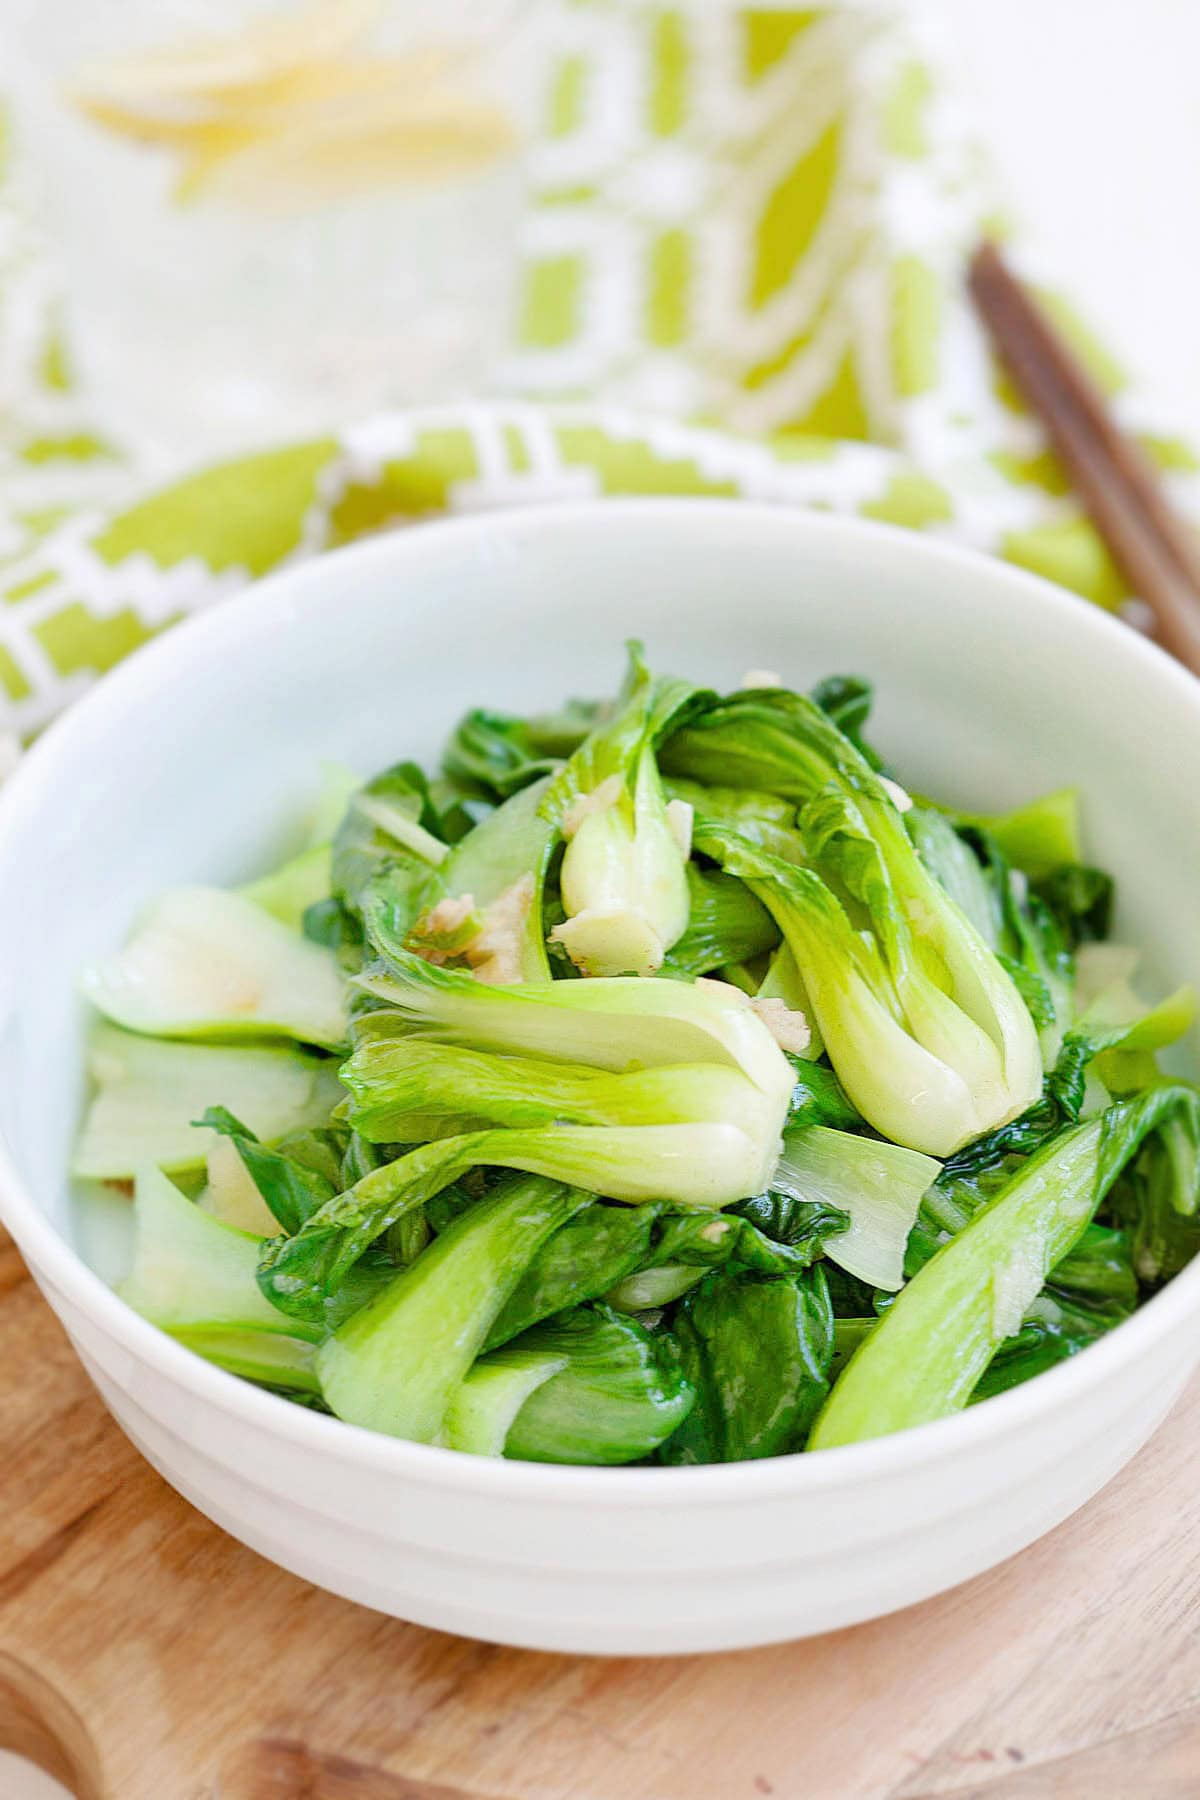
196, 761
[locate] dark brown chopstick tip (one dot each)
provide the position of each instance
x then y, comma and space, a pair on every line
1157, 550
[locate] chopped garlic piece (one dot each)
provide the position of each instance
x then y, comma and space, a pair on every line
1015, 1283
606, 795
448, 914
10, 753
760, 678
437, 958
442, 920
790, 1029
495, 955
611, 940
680, 815
900, 798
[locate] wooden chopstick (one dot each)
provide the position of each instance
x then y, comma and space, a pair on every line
1157, 551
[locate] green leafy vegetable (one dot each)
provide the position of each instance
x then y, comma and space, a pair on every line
499, 871
765, 819
614, 1398
388, 841
793, 1223
758, 1354
229, 1192
408, 1089
616, 1025
586, 1257
303, 1274
848, 700
149, 1090
700, 1162
952, 862
495, 754
1051, 1331
726, 924
188, 1268
1099, 1268
933, 1345
818, 1098
877, 1186
623, 882
1063, 1096
1037, 838
1158, 1199
773, 1234
396, 1365
481, 1414
292, 889
888, 1135
267, 1357
931, 1078
1033, 947
783, 981
1080, 900
606, 1024
961, 1056
296, 1180
204, 963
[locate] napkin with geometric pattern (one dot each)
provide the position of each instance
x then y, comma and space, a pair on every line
743, 267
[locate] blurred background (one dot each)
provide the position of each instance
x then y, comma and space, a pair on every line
172, 151
268, 215
1089, 115
272, 215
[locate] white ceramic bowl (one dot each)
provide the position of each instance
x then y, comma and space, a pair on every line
180, 767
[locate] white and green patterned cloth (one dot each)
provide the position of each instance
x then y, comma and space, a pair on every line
743, 276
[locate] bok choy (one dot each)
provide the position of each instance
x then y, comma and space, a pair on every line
657, 1081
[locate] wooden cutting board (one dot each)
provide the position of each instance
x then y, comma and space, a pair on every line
146, 1656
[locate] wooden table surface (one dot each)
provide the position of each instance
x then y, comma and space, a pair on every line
144, 1655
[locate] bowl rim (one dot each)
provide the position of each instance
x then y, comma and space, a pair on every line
274, 602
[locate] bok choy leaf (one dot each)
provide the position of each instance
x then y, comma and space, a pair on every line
204, 963
696, 1093
758, 1354
148, 1092
610, 1395
396, 1364
195, 1278
929, 1351
878, 1187
623, 879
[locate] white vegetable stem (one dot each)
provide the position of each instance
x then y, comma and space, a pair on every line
879, 1185
624, 883
148, 1091
205, 963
